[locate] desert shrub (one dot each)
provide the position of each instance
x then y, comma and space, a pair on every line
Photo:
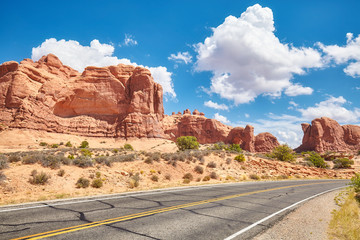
3, 162
98, 174
54, 145
199, 169
282, 153
32, 158
213, 175
84, 144
219, 146
128, 146
43, 144
240, 158
355, 182
97, 183
82, 183
282, 177
148, 160
83, 162
104, 160
186, 180
168, 177
134, 181
39, 178
234, 148
188, 176
343, 163
124, 158
206, 178
2, 177
86, 152
154, 178
254, 177
71, 156
68, 144
115, 150
211, 164
228, 160
156, 156
50, 161
14, 157
315, 159
187, 142
61, 173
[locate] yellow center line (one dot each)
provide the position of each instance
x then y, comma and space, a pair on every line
148, 213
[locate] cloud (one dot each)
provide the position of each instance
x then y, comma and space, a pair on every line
247, 115
247, 59
297, 89
181, 57
292, 103
348, 54
77, 56
221, 118
217, 106
129, 40
332, 108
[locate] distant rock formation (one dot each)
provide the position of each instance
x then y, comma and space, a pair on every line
325, 134
115, 101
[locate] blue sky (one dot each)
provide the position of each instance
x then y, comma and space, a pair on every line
272, 64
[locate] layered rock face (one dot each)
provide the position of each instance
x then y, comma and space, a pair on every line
325, 134
212, 131
115, 101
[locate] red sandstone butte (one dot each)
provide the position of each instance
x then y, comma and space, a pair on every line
325, 134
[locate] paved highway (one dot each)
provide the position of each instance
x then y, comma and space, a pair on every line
232, 211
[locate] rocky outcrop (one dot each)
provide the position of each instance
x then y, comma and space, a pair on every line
325, 134
114, 101
263, 142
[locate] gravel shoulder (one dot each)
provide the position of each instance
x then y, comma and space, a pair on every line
309, 221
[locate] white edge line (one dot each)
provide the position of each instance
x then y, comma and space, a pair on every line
125, 195
276, 213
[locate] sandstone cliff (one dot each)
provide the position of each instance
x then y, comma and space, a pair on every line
115, 101
325, 134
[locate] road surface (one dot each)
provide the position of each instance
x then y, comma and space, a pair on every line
222, 211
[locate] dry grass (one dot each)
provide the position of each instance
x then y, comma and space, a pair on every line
345, 222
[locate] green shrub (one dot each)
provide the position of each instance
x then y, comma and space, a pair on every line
240, 158
343, 163
84, 144
71, 156
97, 183
282, 153
206, 178
39, 178
61, 173
68, 144
86, 152
3, 162
219, 146
355, 182
43, 144
98, 174
316, 160
154, 178
128, 146
199, 169
211, 164
50, 161
187, 142
234, 148
188, 176
54, 145
186, 180
83, 162
115, 150
82, 183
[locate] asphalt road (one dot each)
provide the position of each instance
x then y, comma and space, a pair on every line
205, 212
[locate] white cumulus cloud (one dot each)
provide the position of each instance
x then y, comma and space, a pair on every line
77, 56
348, 54
247, 59
297, 89
181, 57
221, 118
215, 105
332, 108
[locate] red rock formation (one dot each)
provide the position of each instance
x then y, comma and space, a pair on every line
115, 101
187, 111
196, 112
263, 142
325, 134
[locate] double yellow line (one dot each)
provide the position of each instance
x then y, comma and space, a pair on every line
148, 213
